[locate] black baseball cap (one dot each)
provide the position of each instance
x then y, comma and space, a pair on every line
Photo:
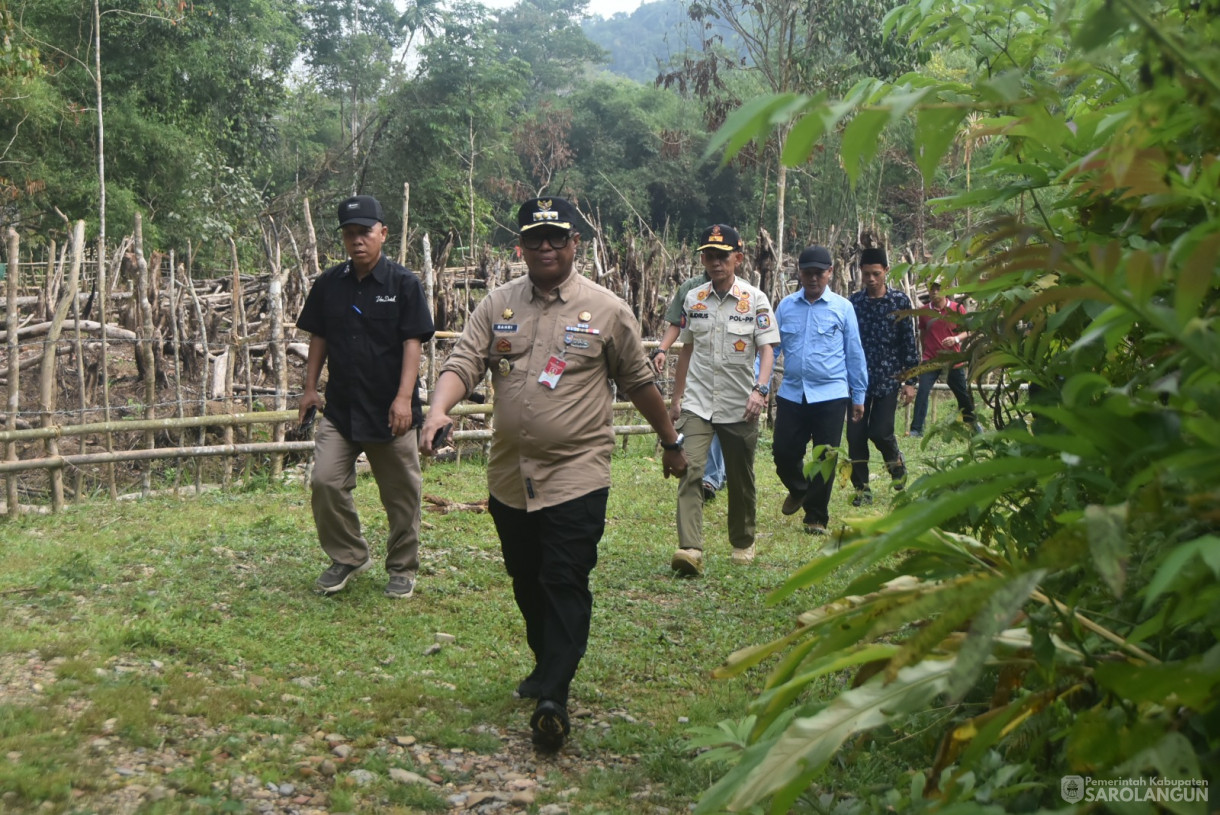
815, 257
722, 237
557, 213
361, 209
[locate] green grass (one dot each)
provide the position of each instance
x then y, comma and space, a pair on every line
193, 623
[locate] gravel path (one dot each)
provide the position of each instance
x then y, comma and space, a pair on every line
122, 777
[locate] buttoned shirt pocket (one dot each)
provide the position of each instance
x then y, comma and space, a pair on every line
583, 350
739, 346
826, 333
510, 350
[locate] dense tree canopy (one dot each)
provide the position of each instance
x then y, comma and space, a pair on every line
219, 111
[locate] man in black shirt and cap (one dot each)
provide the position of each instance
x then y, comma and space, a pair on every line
368, 319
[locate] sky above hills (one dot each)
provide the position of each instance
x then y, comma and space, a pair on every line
608, 8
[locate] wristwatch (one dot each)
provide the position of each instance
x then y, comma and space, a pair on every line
677, 445
763, 389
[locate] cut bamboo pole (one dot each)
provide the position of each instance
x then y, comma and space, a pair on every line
176, 334
82, 394
406, 219
145, 345
430, 293
311, 245
46, 385
104, 373
58, 463
279, 359
14, 369
204, 381
87, 326
239, 337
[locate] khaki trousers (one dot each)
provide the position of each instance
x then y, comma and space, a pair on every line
395, 466
738, 441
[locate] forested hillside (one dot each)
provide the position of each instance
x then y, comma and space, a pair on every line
641, 45
209, 116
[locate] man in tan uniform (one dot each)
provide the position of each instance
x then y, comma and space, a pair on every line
554, 341
725, 323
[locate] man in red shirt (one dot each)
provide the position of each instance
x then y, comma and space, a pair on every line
942, 337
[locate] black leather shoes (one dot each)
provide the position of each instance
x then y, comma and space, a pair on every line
550, 725
530, 688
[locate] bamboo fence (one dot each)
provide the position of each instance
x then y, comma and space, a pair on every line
131, 371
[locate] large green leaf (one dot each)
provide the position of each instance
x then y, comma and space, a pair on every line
998, 613
1171, 758
807, 745
1108, 543
805, 134
775, 699
1181, 557
1197, 277
1099, 28
936, 126
1193, 682
753, 121
861, 140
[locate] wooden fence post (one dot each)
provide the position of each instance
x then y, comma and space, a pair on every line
14, 368
144, 345
46, 389
279, 359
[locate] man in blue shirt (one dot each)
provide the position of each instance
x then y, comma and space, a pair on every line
824, 374
889, 346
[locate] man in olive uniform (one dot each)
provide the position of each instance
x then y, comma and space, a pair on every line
554, 341
725, 323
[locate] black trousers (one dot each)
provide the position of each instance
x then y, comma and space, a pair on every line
549, 554
877, 426
796, 425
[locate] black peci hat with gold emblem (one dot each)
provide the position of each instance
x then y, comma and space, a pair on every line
557, 213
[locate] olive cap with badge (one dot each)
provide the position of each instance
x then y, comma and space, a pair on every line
722, 237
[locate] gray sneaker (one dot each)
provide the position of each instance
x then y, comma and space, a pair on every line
335, 578
401, 586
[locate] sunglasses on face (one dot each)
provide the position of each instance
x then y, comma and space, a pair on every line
557, 240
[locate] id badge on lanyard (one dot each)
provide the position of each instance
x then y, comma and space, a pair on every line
553, 370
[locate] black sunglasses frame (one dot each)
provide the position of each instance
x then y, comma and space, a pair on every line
534, 240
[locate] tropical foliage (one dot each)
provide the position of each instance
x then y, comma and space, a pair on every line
219, 113
1056, 590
